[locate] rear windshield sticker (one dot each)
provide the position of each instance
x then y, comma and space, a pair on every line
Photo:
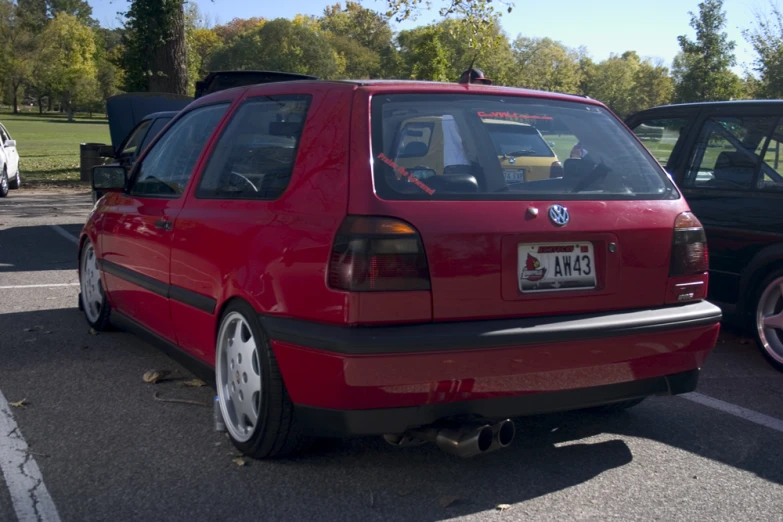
513, 115
401, 170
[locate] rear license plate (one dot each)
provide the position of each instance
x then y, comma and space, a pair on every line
514, 175
549, 267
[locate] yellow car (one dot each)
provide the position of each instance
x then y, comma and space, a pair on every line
434, 142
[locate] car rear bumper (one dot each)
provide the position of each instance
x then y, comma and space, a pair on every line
369, 380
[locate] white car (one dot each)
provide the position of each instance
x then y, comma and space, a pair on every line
9, 163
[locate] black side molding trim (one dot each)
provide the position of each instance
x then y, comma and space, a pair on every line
197, 367
198, 301
341, 423
469, 335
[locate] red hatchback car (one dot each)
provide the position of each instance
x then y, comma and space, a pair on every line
349, 258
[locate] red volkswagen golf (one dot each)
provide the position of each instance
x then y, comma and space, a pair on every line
350, 258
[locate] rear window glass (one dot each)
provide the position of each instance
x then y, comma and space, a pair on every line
479, 147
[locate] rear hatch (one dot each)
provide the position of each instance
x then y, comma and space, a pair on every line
594, 235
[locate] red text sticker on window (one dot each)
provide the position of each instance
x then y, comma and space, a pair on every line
513, 115
404, 173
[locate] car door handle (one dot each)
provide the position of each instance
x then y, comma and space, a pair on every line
165, 225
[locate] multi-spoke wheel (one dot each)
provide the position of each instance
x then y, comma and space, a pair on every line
93, 299
3, 183
255, 405
769, 319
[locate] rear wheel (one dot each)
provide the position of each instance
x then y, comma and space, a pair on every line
16, 182
4, 183
769, 318
92, 296
254, 402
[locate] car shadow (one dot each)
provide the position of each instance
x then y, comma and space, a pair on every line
357, 476
37, 248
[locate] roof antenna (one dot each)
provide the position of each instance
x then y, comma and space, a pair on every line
472, 75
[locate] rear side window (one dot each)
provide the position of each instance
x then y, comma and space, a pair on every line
254, 158
491, 147
660, 136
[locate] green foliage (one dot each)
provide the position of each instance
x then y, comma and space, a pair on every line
705, 69
423, 54
281, 45
766, 38
541, 63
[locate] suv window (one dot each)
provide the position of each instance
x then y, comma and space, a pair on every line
771, 178
134, 140
485, 147
728, 152
254, 157
168, 165
660, 136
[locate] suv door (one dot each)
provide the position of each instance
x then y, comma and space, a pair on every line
137, 225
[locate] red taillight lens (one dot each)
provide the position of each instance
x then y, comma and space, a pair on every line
378, 254
689, 247
556, 170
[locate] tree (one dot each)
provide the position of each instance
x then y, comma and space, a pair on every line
37, 13
543, 64
155, 56
766, 38
68, 56
423, 55
705, 70
653, 86
16, 63
229, 32
614, 82
282, 45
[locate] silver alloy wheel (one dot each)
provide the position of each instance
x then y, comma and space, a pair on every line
4, 181
238, 375
90, 282
769, 319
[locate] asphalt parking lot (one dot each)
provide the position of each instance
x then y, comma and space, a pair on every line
92, 440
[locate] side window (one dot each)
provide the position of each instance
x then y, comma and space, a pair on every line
166, 169
155, 129
771, 177
135, 139
660, 136
727, 154
255, 156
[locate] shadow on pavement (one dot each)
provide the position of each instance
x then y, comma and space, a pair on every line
37, 248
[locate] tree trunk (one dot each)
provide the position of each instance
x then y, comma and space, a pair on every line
40, 105
67, 103
169, 62
15, 88
50, 101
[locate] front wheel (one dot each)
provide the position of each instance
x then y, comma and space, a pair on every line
4, 183
254, 402
769, 319
93, 298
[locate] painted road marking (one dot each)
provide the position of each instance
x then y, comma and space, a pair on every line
10, 287
67, 235
738, 411
29, 496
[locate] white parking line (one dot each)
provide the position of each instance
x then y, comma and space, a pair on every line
67, 235
29, 496
738, 411
10, 287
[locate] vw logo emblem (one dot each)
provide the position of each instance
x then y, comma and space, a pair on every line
559, 215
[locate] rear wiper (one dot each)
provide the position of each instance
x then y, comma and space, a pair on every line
518, 153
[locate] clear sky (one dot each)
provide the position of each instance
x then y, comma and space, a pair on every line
649, 27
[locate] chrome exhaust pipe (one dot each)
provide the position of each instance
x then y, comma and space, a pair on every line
465, 442
503, 434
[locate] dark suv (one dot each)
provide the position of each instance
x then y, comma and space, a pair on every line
727, 159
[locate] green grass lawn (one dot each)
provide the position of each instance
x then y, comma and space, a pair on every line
48, 145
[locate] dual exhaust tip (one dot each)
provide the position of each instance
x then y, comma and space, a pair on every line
471, 439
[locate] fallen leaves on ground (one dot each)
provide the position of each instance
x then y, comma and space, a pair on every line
19, 404
503, 507
239, 461
194, 383
154, 376
447, 501
93, 331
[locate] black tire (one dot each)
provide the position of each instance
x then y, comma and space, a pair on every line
102, 319
4, 183
276, 434
770, 343
616, 407
16, 182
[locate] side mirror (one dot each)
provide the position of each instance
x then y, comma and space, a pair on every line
10, 143
109, 178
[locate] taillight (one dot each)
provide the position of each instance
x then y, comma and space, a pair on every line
378, 254
556, 170
689, 247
